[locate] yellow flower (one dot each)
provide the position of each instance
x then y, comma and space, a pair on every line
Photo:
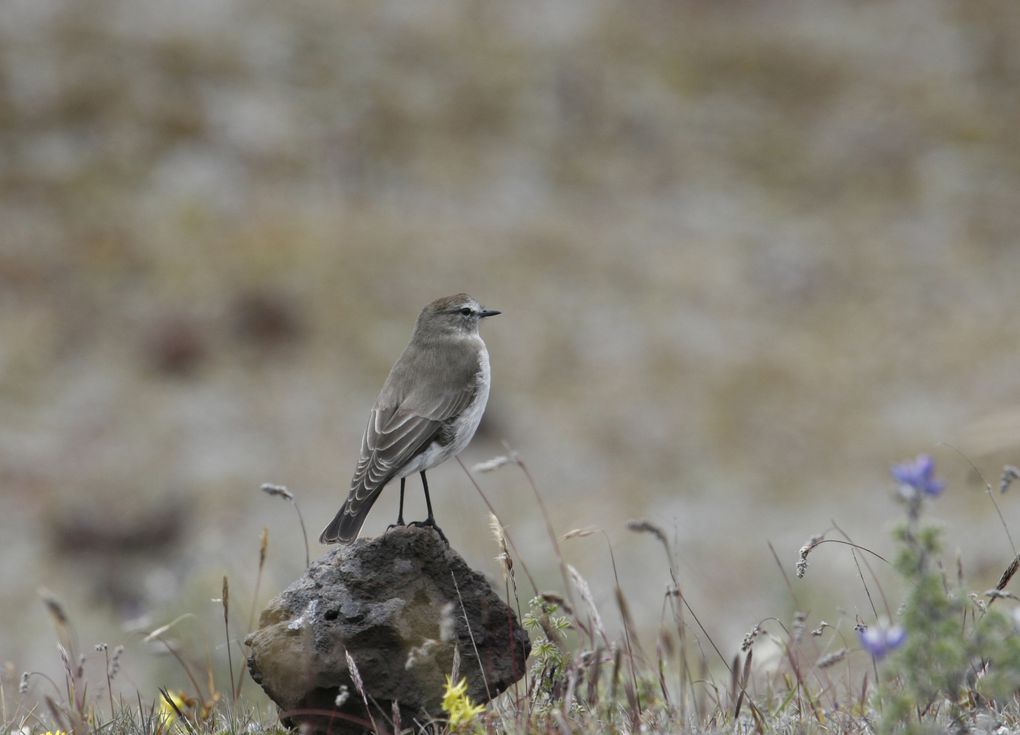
457, 704
167, 714
54, 732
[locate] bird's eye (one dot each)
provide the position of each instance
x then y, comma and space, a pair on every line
466, 311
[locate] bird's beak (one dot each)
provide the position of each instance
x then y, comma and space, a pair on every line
488, 312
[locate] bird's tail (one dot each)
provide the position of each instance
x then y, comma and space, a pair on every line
347, 523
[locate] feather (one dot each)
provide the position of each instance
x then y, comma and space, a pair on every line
427, 389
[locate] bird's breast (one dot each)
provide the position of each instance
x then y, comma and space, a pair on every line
463, 427
459, 430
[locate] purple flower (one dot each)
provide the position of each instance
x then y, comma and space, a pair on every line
881, 638
919, 473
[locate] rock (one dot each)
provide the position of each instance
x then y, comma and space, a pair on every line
384, 601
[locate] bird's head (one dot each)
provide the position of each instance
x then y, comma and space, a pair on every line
452, 315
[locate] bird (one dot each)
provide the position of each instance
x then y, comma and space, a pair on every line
427, 411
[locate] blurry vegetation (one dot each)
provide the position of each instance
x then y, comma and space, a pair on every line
942, 660
745, 252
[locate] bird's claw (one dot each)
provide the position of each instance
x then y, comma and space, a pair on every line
430, 523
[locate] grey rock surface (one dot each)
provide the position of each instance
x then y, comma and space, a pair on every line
392, 604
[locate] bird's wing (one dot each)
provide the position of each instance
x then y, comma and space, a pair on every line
391, 440
393, 437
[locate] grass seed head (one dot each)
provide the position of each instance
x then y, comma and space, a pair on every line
54, 608
1010, 473
648, 527
750, 638
278, 491
490, 465
802, 563
831, 659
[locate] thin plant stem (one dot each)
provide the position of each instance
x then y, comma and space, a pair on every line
281, 491
109, 680
225, 599
626, 617
989, 493
471, 635
857, 561
545, 516
263, 550
184, 665
509, 538
304, 532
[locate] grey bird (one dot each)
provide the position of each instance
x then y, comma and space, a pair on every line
428, 411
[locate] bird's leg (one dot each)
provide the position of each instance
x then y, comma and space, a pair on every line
400, 513
431, 520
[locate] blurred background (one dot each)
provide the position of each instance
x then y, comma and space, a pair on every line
748, 254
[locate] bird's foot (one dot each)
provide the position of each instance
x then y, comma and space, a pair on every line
399, 524
431, 523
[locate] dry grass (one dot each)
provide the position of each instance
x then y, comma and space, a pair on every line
791, 673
